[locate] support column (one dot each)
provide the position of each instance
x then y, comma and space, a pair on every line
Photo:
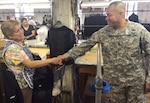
62, 10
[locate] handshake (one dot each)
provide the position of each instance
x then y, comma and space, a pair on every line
57, 60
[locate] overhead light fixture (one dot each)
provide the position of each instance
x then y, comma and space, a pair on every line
136, 0
94, 4
22, 1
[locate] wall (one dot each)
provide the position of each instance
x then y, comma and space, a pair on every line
144, 12
5, 13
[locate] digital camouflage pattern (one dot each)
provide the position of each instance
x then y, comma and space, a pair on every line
121, 54
117, 94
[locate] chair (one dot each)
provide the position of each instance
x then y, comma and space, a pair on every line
58, 83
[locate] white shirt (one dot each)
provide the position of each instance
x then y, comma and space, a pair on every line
32, 22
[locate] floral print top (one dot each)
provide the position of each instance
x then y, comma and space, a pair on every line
14, 56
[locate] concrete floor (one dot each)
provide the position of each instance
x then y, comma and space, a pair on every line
66, 98
91, 99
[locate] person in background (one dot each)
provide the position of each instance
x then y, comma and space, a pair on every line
123, 67
32, 21
44, 20
29, 30
42, 33
19, 58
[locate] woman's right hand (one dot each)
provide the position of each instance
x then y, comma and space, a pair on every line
55, 61
61, 57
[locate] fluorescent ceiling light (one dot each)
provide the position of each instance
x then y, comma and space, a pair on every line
95, 4
136, 0
22, 1
7, 7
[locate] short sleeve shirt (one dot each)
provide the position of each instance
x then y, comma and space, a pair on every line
29, 31
14, 56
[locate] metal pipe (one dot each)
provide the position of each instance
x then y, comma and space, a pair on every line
98, 78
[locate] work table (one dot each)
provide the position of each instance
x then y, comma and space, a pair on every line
86, 66
41, 51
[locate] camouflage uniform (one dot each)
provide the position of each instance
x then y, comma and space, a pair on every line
122, 60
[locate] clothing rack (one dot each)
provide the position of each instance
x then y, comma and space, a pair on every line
93, 23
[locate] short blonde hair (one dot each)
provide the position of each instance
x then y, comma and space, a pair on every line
8, 27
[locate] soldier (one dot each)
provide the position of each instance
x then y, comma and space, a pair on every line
123, 67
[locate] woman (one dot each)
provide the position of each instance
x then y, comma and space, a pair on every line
29, 30
19, 58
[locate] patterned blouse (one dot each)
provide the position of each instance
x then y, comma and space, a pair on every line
13, 57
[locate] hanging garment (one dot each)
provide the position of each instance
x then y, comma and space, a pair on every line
12, 90
147, 26
133, 17
93, 23
60, 39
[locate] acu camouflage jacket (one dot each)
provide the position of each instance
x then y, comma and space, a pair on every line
121, 53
